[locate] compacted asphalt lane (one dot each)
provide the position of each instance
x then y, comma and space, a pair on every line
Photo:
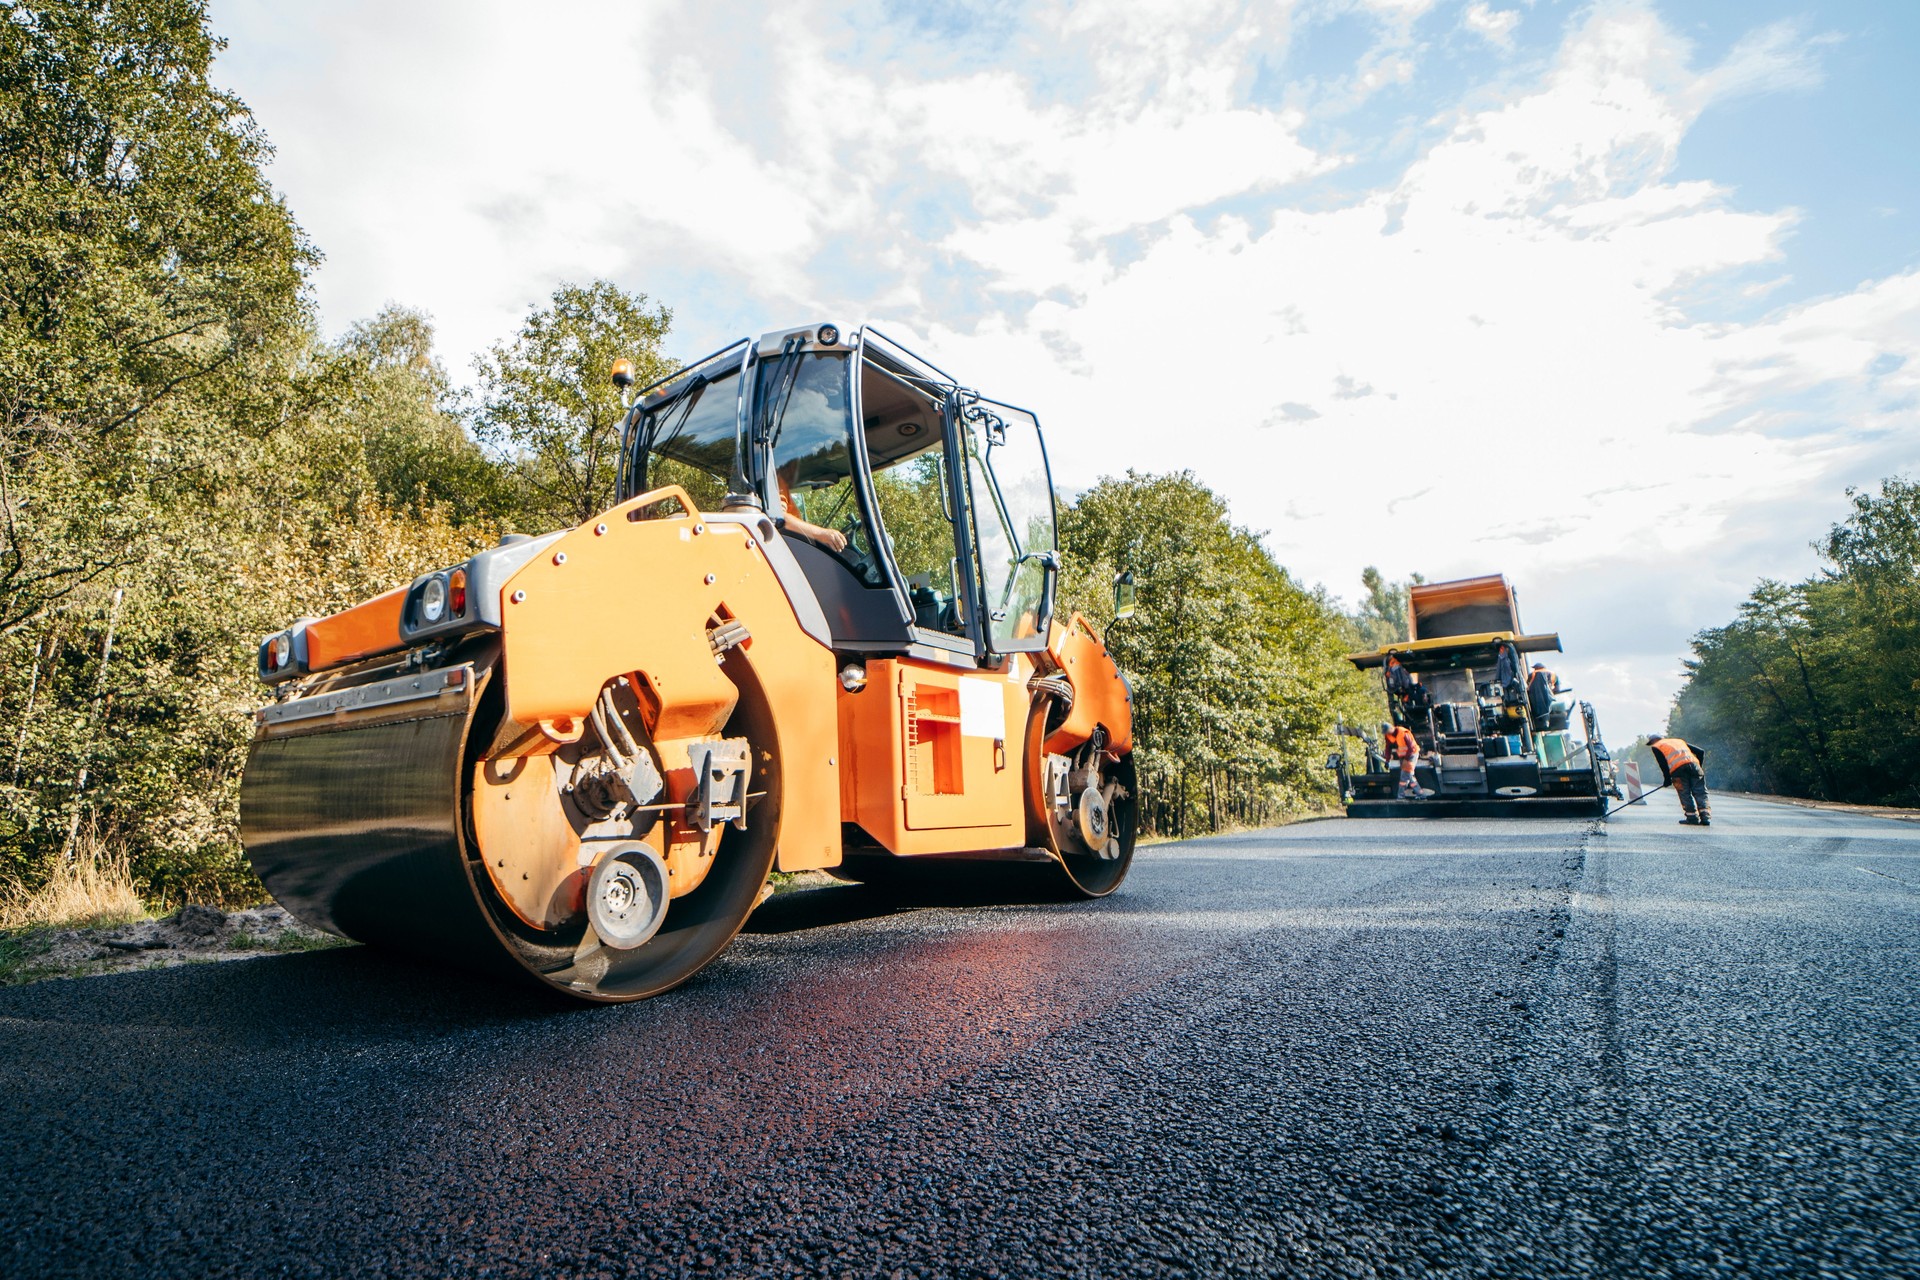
1522, 1048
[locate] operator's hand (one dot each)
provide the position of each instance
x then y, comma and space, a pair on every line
832, 539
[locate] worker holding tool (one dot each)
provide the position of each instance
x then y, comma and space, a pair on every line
1398, 742
1680, 765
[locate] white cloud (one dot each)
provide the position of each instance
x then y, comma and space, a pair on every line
1495, 26
1485, 363
1405, 10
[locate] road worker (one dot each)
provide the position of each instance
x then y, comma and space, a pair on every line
1399, 679
1506, 672
1541, 686
1679, 762
1405, 693
1398, 743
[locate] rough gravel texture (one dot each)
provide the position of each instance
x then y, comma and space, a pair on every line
1337, 1049
191, 935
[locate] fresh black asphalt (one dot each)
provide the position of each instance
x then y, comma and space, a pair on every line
1342, 1048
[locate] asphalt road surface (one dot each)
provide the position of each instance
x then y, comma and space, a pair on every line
1452, 1047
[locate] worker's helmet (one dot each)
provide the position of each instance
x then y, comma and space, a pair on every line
1385, 729
1539, 666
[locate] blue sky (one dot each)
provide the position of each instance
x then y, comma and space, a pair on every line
1617, 298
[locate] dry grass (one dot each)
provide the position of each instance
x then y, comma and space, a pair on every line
95, 888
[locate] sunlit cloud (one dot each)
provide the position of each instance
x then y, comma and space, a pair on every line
1495, 26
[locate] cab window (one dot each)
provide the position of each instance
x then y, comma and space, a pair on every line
812, 491
689, 442
906, 450
1010, 497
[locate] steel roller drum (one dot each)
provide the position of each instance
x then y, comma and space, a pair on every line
355, 822
354, 828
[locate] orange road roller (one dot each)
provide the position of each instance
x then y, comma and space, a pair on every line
816, 630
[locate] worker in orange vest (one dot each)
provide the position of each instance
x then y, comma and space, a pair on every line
1679, 762
1398, 743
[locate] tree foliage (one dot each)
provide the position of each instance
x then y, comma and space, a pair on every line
1237, 671
1382, 616
1813, 689
149, 281
549, 406
182, 460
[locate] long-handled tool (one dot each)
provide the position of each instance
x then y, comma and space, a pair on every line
1637, 799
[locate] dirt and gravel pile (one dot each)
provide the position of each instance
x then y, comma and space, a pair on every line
193, 933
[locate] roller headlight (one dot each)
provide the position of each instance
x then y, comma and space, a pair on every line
433, 600
282, 652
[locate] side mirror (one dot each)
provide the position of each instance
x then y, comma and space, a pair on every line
1124, 596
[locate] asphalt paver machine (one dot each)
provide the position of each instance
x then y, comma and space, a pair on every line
816, 630
1489, 746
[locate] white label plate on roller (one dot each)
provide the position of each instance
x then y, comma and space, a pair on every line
983, 708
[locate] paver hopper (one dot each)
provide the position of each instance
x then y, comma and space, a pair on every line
1492, 741
815, 631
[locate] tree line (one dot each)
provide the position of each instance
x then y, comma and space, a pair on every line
187, 463
1813, 689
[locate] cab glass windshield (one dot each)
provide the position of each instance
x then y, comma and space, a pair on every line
689, 442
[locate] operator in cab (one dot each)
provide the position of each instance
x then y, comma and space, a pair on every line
1541, 686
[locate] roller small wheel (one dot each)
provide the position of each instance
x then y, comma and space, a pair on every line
1091, 817
627, 896
1106, 820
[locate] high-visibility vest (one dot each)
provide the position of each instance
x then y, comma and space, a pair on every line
1675, 753
1401, 742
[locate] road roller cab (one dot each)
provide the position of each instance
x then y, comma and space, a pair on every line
815, 631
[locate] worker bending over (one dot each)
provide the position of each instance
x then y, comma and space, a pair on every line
1398, 742
1680, 765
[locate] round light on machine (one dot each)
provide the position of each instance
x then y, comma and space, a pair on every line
433, 600
853, 677
829, 335
281, 652
457, 592
623, 373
